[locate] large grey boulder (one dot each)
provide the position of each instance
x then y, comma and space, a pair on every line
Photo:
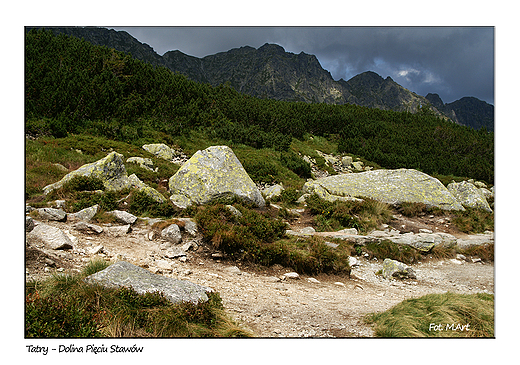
469, 195
389, 186
211, 174
51, 237
112, 172
142, 281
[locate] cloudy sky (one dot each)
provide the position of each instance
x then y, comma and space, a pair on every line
451, 61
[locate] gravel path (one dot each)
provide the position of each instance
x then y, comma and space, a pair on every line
319, 306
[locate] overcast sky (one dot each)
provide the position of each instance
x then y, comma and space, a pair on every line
451, 61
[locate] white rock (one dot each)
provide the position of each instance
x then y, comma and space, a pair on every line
313, 280
292, 275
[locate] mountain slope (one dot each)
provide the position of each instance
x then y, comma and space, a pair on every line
270, 72
468, 111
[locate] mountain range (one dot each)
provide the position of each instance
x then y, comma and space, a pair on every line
271, 72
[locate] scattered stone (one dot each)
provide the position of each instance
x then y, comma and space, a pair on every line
52, 237
145, 163
233, 270
348, 231
119, 230
85, 214
174, 252
307, 231
357, 286
160, 150
96, 250
172, 234
88, 228
123, 217
211, 174
237, 213
52, 214
61, 167
273, 192
424, 230
291, 275
189, 225
338, 283
456, 262
352, 261
313, 280
273, 279
332, 245
143, 281
346, 161
393, 268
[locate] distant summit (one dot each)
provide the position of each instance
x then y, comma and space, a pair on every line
272, 73
468, 111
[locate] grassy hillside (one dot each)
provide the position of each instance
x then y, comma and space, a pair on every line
73, 87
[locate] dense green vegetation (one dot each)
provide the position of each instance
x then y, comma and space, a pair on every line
65, 306
74, 87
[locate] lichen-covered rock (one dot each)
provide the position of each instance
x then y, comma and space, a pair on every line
389, 186
211, 174
125, 274
272, 192
160, 150
135, 183
469, 195
145, 163
110, 169
396, 269
52, 214
85, 214
112, 172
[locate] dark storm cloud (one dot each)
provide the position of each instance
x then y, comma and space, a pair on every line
450, 61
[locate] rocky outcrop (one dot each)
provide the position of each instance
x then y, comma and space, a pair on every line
212, 174
469, 195
112, 172
389, 186
124, 274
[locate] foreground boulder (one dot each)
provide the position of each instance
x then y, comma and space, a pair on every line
212, 174
142, 281
112, 172
388, 186
469, 195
